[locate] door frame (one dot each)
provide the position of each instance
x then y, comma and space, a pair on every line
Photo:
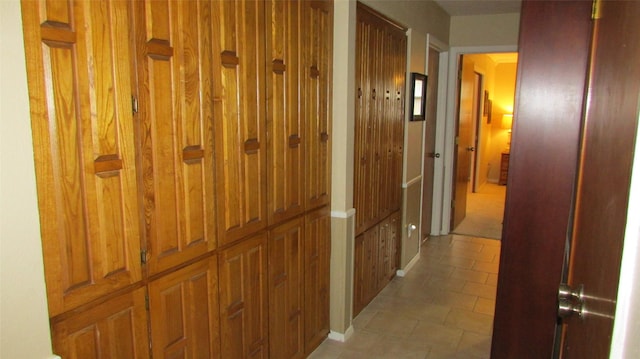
449, 134
439, 165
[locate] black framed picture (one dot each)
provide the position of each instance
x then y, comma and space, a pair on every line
418, 96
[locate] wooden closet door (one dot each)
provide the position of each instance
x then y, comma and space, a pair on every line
286, 290
399, 59
317, 253
176, 135
116, 328
183, 307
79, 79
244, 299
239, 103
285, 149
317, 83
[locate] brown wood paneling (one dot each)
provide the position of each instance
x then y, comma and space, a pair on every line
317, 76
183, 311
114, 329
239, 104
244, 298
176, 138
552, 68
286, 290
285, 150
79, 82
379, 130
317, 249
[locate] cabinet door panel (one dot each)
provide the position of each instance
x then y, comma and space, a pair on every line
184, 312
114, 329
284, 108
243, 299
286, 290
175, 76
317, 249
317, 82
79, 80
238, 48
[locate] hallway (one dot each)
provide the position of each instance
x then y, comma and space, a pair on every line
442, 308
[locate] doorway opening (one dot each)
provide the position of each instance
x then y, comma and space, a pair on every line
485, 96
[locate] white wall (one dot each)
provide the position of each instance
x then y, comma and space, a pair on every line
485, 30
24, 322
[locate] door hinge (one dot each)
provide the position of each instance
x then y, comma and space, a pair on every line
143, 256
134, 104
596, 10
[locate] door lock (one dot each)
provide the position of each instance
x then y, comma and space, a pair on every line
434, 155
570, 301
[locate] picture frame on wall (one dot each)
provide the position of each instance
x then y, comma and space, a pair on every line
418, 97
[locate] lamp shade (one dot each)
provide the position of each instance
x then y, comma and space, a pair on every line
507, 121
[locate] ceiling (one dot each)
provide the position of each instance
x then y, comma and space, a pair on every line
479, 7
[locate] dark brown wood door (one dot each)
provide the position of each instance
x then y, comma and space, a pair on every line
286, 290
80, 79
553, 54
174, 74
464, 143
604, 176
183, 312
430, 141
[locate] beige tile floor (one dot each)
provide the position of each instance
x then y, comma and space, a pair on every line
442, 309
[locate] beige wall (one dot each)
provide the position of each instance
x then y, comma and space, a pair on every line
24, 323
484, 30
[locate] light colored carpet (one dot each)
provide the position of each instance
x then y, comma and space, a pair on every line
485, 211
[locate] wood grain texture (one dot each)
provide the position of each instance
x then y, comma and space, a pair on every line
242, 270
317, 254
239, 104
286, 290
285, 158
184, 312
176, 95
379, 129
317, 84
79, 81
114, 329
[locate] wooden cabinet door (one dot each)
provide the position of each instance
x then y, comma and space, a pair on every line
317, 83
116, 328
176, 136
239, 103
317, 249
243, 299
286, 290
285, 149
366, 263
183, 307
79, 79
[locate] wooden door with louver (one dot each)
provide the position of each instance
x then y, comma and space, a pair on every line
80, 82
240, 141
176, 129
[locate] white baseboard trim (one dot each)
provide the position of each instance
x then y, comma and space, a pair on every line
341, 337
54, 357
402, 272
344, 214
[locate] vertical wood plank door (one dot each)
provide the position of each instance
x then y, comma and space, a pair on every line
244, 299
317, 249
116, 328
239, 104
184, 312
317, 84
176, 135
286, 290
285, 149
79, 81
